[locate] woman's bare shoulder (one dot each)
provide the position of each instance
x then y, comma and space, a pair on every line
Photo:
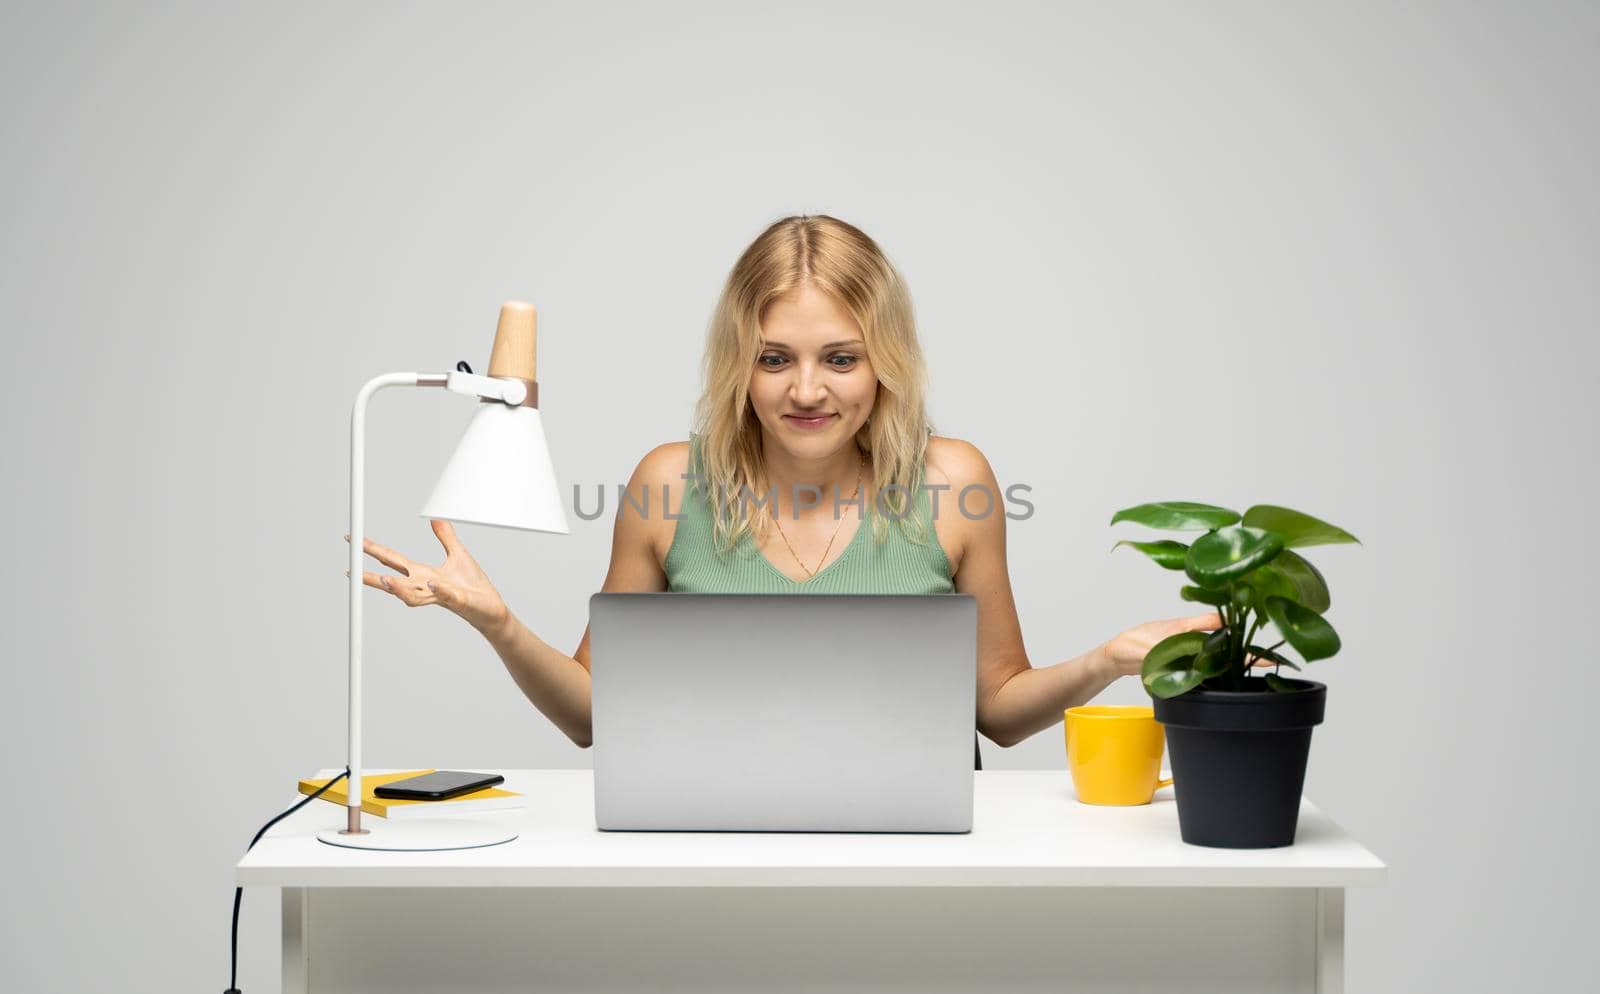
659, 483
666, 463
956, 462
953, 465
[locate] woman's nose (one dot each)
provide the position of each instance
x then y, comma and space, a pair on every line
808, 389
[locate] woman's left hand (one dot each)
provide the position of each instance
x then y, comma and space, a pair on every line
1124, 655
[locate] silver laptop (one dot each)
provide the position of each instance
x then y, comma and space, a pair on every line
783, 712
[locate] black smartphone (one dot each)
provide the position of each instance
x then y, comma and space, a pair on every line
438, 785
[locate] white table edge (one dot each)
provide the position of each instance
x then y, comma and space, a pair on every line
1366, 870
803, 876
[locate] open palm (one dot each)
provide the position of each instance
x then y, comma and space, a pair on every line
1127, 650
458, 584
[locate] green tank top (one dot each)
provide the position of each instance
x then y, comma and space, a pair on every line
897, 565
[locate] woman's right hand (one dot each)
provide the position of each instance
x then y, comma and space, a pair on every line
458, 583
1126, 652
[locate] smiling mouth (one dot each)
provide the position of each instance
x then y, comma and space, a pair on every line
800, 422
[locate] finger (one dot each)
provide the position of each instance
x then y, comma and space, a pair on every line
377, 581
386, 556
447, 536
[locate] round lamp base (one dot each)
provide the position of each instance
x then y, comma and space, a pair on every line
422, 835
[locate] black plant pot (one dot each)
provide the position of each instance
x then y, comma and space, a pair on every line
1239, 761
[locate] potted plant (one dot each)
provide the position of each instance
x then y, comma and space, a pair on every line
1238, 743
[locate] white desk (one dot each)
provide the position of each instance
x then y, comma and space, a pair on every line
1045, 894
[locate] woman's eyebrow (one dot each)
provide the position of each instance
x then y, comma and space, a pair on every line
830, 345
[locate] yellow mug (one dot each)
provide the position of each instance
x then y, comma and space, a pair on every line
1114, 753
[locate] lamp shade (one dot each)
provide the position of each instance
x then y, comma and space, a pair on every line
501, 474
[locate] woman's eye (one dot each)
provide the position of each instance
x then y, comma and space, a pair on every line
770, 365
849, 360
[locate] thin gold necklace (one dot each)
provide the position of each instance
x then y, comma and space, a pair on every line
809, 571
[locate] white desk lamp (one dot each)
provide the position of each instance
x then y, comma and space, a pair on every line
500, 475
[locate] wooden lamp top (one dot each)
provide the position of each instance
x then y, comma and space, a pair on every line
514, 352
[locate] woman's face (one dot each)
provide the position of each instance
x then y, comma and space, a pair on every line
812, 365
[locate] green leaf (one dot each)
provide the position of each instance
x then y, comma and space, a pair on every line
1173, 647
1217, 558
1172, 683
1292, 577
1178, 515
1168, 669
1279, 684
1166, 552
1306, 630
1298, 530
1277, 657
1216, 598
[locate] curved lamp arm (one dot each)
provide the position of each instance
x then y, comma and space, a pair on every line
512, 393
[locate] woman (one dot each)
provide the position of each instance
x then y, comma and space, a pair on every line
814, 470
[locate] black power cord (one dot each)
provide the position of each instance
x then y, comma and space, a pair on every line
238, 892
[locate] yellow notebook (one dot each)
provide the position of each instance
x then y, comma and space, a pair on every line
487, 799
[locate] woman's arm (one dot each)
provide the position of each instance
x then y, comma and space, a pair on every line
555, 683
558, 684
1015, 698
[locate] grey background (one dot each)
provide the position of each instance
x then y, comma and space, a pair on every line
1340, 258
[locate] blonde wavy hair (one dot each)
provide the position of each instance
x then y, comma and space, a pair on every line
840, 260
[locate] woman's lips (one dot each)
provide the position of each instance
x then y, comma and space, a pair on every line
809, 423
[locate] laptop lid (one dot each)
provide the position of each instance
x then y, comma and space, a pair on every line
783, 712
